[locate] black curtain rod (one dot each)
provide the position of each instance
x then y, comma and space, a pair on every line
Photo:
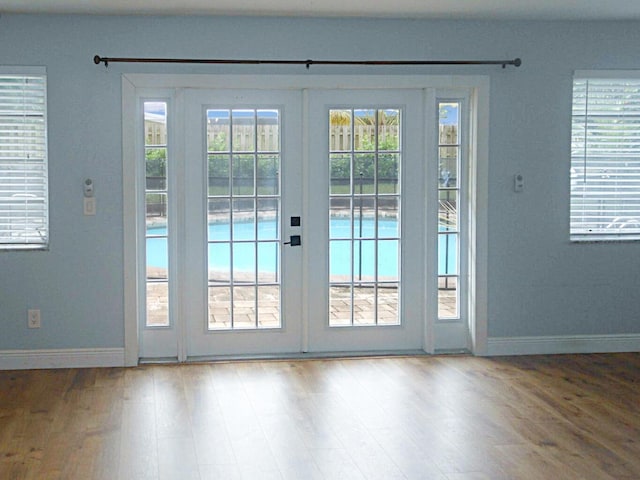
106, 60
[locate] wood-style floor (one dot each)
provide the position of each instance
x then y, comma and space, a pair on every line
441, 418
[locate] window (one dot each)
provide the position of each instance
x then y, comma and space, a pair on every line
23, 160
605, 159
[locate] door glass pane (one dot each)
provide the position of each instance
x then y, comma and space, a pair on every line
340, 174
269, 306
243, 174
219, 228
388, 260
157, 258
340, 130
448, 166
364, 174
447, 254
364, 261
268, 131
268, 262
448, 209
219, 308
388, 173
268, 219
388, 215
219, 262
364, 221
340, 217
244, 307
340, 304
244, 262
243, 131
389, 130
364, 225
244, 218
364, 130
157, 303
447, 296
219, 174
388, 303
156, 213
244, 227
448, 131
340, 266
218, 130
364, 304
268, 178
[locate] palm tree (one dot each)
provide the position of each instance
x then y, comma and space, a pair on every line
339, 118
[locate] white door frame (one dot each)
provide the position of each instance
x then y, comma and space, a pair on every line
478, 88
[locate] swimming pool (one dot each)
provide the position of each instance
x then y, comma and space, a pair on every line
340, 250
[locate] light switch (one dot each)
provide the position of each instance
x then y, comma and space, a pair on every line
89, 205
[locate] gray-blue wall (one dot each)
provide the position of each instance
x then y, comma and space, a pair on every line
538, 283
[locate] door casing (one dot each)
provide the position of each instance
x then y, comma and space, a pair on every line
475, 88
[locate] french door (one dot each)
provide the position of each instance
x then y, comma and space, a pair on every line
296, 220
242, 188
367, 208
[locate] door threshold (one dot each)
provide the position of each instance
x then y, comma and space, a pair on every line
307, 355
300, 356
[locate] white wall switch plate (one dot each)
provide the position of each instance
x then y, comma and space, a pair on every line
89, 205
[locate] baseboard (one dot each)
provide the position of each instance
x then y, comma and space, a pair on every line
63, 358
563, 344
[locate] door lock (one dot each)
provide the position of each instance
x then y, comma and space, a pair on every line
294, 241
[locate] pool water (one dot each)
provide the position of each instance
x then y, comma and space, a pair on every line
341, 251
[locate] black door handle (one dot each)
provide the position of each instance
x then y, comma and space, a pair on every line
294, 241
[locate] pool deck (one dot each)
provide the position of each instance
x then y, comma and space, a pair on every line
269, 306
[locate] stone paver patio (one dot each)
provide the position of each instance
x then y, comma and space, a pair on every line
268, 310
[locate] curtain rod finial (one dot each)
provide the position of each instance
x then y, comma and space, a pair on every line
98, 59
517, 62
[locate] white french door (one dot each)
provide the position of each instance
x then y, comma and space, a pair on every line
302, 220
366, 204
242, 187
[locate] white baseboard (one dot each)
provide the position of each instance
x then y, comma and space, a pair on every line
563, 344
114, 357
63, 358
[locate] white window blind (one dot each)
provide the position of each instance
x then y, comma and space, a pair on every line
605, 159
23, 160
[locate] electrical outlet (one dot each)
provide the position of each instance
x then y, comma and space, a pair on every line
33, 318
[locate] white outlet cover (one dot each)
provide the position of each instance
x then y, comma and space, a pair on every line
33, 318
